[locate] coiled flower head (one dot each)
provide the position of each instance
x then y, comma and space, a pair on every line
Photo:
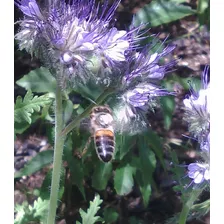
70, 36
140, 88
197, 114
197, 109
78, 43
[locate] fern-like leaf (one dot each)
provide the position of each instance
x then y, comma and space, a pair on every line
25, 107
36, 213
89, 216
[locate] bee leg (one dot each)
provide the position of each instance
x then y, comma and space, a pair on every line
81, 154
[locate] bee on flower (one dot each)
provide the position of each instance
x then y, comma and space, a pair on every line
78, 43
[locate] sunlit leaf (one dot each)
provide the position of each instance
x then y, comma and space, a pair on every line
90, 217
161, 12
39, 80
123, 180
24, 107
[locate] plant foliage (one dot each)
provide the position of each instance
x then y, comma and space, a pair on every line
25, 107
36, 213
90, 217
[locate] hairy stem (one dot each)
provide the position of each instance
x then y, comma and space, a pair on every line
58, 150
76, 121
188, 205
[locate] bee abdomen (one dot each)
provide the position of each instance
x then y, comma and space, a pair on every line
105, 145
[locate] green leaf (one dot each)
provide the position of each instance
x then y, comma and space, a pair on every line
75, 165
19, 128
202, 6
40, 208
168, 105
123, 180
38, 162
155, 143
184, 82
44, 193
147, 162
89, 216
145, 188
32, 214
110, 215
124, 143
160, 12
25, 107
144, 174
68, 110
101, 175
89, 91
203, 11
39, 80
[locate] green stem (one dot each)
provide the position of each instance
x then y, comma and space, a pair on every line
188, 206
76, 121
58, 150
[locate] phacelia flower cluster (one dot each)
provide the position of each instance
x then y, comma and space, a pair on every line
70, 35
78, 43
197, 114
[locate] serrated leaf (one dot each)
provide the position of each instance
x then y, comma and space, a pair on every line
101, 175
89, 216
160, 12
110, 215
25, 107
123, 180
32, 214
38, 162
40, 208
39, 80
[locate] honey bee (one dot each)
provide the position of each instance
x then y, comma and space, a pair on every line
101, 121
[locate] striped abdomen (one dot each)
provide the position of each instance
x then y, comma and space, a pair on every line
105, 144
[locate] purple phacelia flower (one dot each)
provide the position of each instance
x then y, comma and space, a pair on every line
68, 36
140, 87
146, 67
142, 94
205, 144
199, 172
197, 114
78, 40
197, 109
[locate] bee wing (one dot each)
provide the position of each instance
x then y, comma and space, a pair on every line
85, 125
130, 125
